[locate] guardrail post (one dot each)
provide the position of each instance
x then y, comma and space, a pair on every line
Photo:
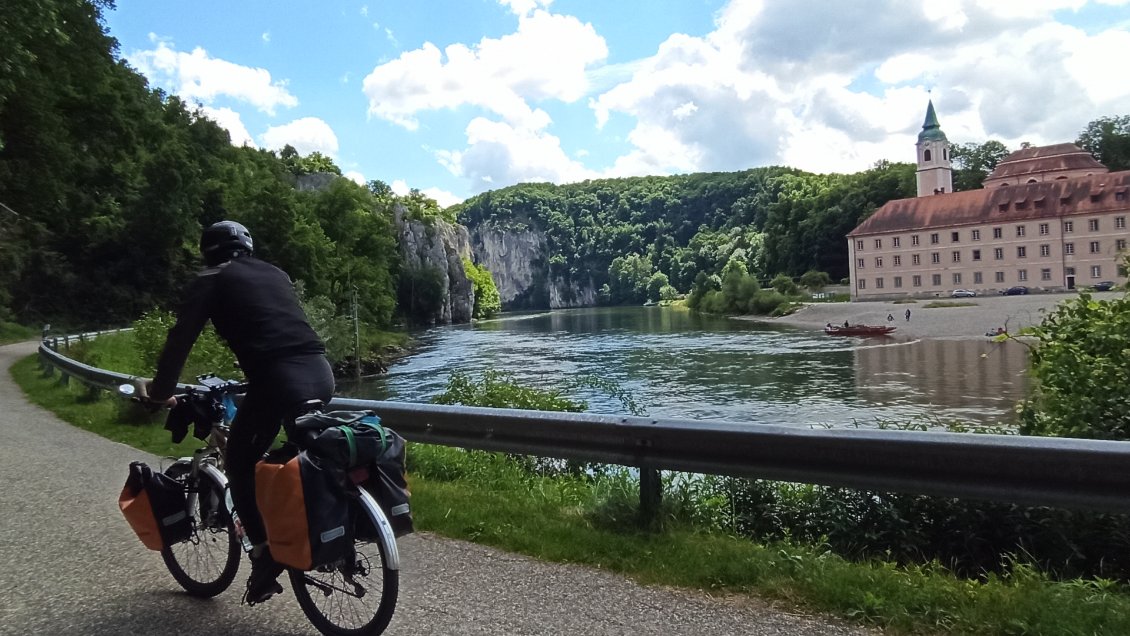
64, 378
651, 494
48, 368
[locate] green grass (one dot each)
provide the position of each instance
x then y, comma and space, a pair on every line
11, 332
490, 499
937, 304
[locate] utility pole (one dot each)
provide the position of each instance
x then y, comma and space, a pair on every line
356, 338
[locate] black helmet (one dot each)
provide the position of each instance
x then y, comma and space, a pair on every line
220, 240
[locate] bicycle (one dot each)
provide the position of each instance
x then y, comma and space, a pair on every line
207, 562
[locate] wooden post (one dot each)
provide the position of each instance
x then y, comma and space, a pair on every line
651, 494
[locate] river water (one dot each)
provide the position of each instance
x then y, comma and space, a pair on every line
680, 364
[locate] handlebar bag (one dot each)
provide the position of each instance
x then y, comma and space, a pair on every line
154, 505
304, 509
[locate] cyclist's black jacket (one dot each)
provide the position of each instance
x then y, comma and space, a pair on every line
253, 307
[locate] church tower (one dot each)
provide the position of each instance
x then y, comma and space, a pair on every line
935, 174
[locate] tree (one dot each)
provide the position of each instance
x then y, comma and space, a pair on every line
1108, 139
488, 302
814, 280
1080, 371
628, 277
784, 285
974, 162
655, 285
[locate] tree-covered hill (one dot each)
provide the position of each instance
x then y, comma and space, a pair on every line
775, 219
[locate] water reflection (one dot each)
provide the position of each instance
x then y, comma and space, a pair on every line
679, 364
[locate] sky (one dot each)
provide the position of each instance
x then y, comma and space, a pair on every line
457, 97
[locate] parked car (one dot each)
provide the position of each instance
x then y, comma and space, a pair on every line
1019, 290
963, 293
1105, 285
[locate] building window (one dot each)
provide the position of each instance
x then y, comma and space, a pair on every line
914, 240
896, 241
1020, 230
1120, 221
997, 232
916, 259
976, 278
999, 276
955, 237
898, 260
975, 235
937, 280
1068, 271
1120, 196
934, 238
1022, 275
1094, 247
916, 281
956, 256
879, 262
1093, 225
1044, 229
1045, 250
1120, 244
1046, 273
861, 283
935, 257
926, 155
859, 263
1096, 271
998, 253
878, 283
859, 245
1069, 226
957, 278
898, 281
1021, 252
1069, 248
878, 244
976, 255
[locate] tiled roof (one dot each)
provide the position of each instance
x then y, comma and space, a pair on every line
1046, 199
1044, 159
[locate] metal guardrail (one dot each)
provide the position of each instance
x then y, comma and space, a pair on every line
1067, 473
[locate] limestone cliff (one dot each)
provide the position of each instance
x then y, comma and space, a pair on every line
441, 246
516, 259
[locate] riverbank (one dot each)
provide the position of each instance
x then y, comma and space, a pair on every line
972, 319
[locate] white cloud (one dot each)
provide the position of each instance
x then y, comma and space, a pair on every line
356, 177
525, 7
266, 37
198, 76
499, 153
545, 58
232, 122
307, 135
444, 198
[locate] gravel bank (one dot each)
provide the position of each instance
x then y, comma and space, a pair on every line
973, 321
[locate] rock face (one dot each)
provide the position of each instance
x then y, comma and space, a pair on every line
441, 246
516, 259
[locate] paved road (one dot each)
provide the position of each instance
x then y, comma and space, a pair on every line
69, 565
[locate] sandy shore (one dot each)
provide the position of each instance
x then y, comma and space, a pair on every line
987, 312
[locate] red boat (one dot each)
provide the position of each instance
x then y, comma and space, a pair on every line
858, 330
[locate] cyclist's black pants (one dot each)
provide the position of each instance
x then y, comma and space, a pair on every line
274, 392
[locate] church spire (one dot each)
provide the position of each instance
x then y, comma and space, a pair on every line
931, 129
935, 174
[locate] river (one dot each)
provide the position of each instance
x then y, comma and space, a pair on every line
680, 364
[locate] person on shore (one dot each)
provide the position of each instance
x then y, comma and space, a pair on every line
908, 315
890, 317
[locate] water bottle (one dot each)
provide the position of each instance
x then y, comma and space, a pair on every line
239, 532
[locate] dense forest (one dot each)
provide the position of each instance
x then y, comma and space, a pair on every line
105, 183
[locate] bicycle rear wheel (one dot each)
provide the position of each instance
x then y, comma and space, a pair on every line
206, 563
357, 595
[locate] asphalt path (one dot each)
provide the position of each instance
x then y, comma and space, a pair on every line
69, 564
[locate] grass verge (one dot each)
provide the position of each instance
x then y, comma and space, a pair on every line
11, 332
937, 304
488, 498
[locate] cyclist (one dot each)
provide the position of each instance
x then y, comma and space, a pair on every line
254, 308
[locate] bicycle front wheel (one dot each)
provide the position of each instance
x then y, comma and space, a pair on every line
206, 563
355, 596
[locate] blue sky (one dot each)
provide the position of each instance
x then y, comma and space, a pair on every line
455, 97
